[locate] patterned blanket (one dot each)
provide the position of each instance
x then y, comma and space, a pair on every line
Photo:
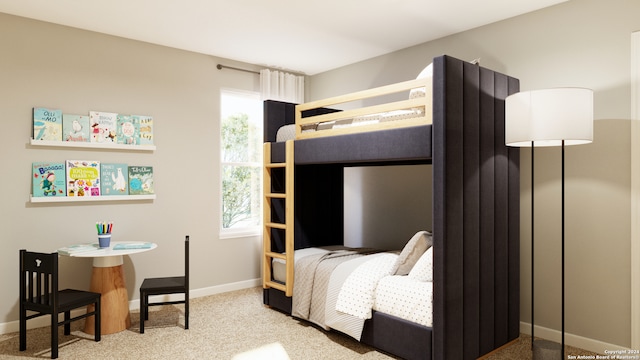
312, 275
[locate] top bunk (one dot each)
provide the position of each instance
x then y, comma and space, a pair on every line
394, 131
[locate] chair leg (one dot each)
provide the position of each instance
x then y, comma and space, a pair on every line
23, 330
142, 312
186, 313
97, 321
146, 306
54, 336
67, 323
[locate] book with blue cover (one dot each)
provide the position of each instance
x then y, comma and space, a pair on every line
103, 126
114, 179
146, 245
127, 130
48, 179
140, 180
47, 124
83, 178
76, 128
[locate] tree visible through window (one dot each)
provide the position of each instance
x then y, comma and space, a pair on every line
241, 160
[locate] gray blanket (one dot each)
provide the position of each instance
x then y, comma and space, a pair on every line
311, 280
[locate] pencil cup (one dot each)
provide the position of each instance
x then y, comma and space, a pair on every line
104, 240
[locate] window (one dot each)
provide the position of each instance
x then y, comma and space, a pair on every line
241, 162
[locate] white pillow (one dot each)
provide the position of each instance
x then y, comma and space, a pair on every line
411, 252
425, 73
423, 269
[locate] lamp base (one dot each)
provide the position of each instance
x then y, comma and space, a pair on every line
546, 350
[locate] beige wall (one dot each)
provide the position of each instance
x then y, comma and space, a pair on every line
78, 71
583, 43
579, 43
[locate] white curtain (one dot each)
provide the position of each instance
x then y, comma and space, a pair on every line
278, 85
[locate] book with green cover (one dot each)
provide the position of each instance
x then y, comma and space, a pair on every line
140, 180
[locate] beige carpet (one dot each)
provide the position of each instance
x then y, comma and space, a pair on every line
233, 325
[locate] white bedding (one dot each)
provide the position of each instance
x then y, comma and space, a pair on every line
343, 322
288, 132
362, 284
406, 298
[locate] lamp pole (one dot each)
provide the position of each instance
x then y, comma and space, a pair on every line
562, 352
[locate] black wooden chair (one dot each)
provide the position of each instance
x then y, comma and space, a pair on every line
39, 296
166, 286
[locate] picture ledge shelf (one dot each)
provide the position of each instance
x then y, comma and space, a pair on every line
59, 199
90, 145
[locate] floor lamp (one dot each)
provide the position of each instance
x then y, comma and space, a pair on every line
549, 117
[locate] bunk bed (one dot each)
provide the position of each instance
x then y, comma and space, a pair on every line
457, 127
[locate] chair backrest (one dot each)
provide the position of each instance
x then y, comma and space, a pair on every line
39, 279
186, 263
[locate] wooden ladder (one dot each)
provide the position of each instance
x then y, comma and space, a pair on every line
268, 254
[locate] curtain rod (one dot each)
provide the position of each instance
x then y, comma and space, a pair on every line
220, 67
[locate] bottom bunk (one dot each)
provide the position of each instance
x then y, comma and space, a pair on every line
383, 299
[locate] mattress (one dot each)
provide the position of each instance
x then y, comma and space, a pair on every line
288, 132
399, 296
279, 268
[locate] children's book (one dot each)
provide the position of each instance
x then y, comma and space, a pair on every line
114, 179
139, 245
140, 180
83, 178
78, 248
48, 179
47, 124
145, 128
76, 128
128, 130
103, 126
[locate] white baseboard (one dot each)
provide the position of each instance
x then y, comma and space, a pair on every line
592, 345
14, 326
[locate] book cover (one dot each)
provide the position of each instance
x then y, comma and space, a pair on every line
140, 180
128, 129
145, 128
78, 248
83, 178
76, 128
47, 124
114, 179
103, 126
128, 246
48, 179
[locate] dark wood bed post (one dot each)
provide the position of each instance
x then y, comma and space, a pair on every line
476, 212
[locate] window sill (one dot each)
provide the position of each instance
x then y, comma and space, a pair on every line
240, 233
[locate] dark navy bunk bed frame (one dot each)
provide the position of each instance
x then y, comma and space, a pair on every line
476, 210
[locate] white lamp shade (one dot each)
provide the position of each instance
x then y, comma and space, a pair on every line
549, 116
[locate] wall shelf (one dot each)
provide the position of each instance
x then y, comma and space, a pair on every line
90, 145
61, 199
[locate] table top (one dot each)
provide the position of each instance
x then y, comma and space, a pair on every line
93, 250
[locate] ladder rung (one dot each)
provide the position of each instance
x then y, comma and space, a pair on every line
276, 255
276, 195
276, 165
276, 225
275, 285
